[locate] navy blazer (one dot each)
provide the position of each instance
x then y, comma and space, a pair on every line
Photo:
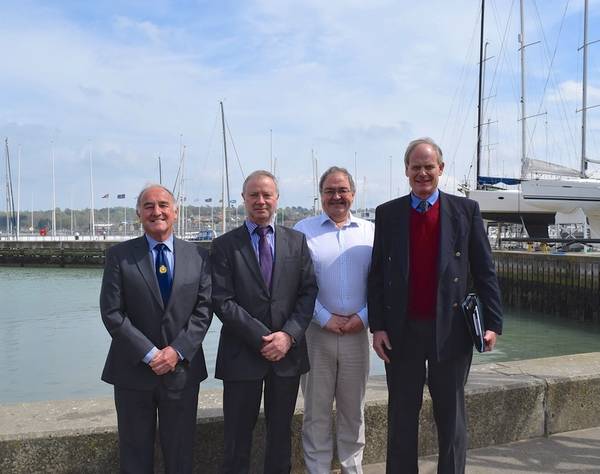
250, 311
134, 314
464, 250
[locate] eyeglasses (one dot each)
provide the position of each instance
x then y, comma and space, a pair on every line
332, 192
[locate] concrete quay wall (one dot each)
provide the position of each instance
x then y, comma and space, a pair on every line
59, 253
505, 402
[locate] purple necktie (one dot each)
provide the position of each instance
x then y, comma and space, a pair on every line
265, 257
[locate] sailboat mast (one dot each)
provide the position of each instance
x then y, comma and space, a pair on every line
480, 97
583, 170
523, 108
225, 153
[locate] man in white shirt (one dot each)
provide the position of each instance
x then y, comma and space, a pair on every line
338, 347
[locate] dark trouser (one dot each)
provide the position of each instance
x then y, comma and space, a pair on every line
137, 415
241, 404
406, 376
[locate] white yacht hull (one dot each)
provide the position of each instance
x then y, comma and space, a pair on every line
536, 202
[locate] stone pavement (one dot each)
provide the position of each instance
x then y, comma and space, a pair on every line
570, 452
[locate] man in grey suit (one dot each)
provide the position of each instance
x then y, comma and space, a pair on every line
264, 292
426, 245
155, 303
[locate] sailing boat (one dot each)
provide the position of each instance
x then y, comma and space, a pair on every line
536, 201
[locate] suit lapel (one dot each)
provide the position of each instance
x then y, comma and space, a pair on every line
180, 255
281, 252
145, 264
249, 255
448, 232
400, 226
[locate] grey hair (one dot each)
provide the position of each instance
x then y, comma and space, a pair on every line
256, 174
138, 203
336, 169
423, 141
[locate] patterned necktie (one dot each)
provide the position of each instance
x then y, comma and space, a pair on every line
423, 206
265, 256
163, 275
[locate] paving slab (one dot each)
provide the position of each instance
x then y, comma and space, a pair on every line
571, 452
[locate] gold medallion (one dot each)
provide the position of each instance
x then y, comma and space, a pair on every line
162, 269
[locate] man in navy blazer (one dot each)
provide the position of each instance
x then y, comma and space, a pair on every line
155, 361
426, 246
264, 292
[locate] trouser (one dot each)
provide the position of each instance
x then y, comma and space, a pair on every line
137, 419
411, 364
339, 371
241, 405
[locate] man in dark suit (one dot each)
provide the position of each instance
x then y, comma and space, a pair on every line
264, 292
426, 245
155, 303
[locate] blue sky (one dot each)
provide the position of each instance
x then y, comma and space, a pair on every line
130, 80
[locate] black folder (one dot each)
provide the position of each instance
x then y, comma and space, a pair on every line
471, 308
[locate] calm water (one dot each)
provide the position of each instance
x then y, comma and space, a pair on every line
55, 343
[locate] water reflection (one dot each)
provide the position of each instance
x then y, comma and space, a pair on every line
55, 344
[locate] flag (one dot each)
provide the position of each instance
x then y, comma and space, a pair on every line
105, 196
208, 200
120, 196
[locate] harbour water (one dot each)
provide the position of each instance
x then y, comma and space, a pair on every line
54, 342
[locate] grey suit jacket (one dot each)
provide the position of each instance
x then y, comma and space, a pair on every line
134, 314
464, 250
249, 310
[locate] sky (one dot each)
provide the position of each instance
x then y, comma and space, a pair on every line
305, 85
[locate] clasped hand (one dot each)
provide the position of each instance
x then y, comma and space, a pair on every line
344, 325
276, 345
164, 361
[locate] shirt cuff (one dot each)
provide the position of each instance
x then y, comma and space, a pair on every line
321, 315
363, 314
150, 355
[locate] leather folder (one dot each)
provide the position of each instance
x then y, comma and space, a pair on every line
471, 308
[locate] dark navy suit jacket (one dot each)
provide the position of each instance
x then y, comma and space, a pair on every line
464, 250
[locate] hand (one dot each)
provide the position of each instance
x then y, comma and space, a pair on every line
353, 325
380, 343
490, 340
164, 361
335, 324
276, 345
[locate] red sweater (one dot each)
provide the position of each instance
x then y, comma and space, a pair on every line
423, 261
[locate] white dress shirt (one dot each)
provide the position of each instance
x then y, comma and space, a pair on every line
341, 258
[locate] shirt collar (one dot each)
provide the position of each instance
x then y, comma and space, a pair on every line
414, 200
252, 226
168, 242
351, 221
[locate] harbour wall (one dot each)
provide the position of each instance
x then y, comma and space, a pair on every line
566, 285
505, 402
58, 253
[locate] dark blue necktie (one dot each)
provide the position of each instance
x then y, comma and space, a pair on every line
423, 206
265, 257
163, 274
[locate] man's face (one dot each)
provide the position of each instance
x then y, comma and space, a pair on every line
260, 199
337, 197
423, 171
157, 213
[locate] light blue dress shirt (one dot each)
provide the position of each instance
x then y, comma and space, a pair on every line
341, 258
255, 238
414, 200
171, 262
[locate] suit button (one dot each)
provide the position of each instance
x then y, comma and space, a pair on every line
455, 280
457, 254
388, 307
455, 305
389, 283
389, 259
